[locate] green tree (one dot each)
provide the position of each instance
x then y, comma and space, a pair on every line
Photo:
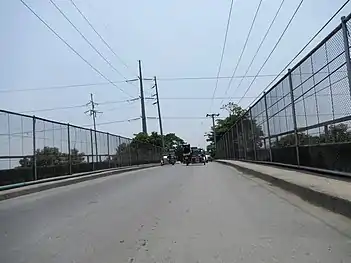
236, 113
154, 138
332, 134
143, 145
52, 156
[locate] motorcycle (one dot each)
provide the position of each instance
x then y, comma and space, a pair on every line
186, 160
172, 161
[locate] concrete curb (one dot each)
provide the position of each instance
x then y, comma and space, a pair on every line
29, 189
302, 168
330, 202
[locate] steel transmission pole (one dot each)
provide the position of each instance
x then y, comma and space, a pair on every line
213, 115
142, 101
93, 112
159, 114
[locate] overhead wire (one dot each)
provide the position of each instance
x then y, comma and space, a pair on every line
260, 45
223, 48
244, 47
76, 106
208, 77
196, 98
98, 34
112, 122
180, 118
60, 87
70, 47
123, 81
87, 40
306, 45
275, 46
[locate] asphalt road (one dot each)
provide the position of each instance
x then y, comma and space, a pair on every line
175, 213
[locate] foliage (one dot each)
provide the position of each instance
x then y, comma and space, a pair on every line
236, 113
143, 145
154, 138
333, 133
52, 156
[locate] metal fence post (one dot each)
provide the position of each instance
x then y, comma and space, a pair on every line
347, 49
244, 138
69, 149
238, 139
92, 149
253, 136
108, 149
221, 148
228, 145
268, 129
119, 155
230, 141
233, 142
294, 118
224, 139
96, 146
130, 153
35, 175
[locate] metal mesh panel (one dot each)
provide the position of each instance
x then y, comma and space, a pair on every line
321, 111
16, 140
51, 149
279, 108
81, 149
102, 146
56, 149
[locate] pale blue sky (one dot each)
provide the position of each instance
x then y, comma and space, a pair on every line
172, 38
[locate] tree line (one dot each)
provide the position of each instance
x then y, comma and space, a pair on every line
335, 133
140, 147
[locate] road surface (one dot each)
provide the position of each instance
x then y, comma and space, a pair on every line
175, 213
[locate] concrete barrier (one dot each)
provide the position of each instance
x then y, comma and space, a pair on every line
37, 186
325, 199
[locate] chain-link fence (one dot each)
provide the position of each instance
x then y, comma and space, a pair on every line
33, 148
305, 118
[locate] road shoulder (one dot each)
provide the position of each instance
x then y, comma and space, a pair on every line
329, 193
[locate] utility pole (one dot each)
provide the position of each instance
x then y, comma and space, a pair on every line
213, 115
142, 98
93, 112
159, 113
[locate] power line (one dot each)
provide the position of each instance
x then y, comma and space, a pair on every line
122, 107
223, 48
70, 47
53, 109
244, 47
76, 106
275, 46
180, 118
86, 40
307, 44
60, 87
211, 77
259, 47
198, 98
112, 122
123, 81
97, 33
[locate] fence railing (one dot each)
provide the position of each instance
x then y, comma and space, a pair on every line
33, 148
304, 119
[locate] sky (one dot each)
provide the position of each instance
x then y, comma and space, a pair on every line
173, 39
